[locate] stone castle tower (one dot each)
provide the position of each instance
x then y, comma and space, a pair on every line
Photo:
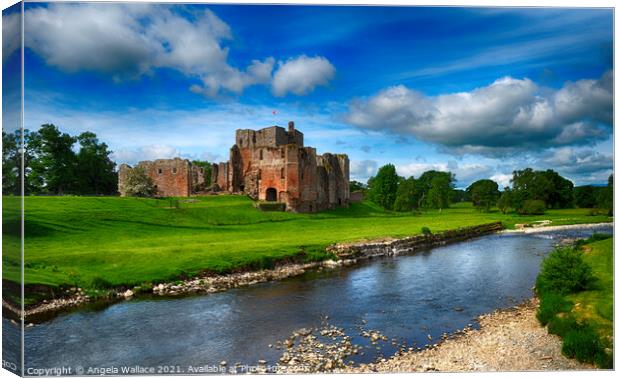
269, 164
272, 164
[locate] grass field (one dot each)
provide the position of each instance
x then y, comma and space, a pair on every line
128, 241
597, 306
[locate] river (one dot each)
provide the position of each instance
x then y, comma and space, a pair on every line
406, 297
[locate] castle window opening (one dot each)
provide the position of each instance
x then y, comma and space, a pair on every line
271, 195
260, 154
174, 171
281, 173
159, 171
253, 138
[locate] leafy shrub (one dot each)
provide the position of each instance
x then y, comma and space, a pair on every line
426, 231
532, 207
561, 325
551, 304
139, 184
583, 344
563, 272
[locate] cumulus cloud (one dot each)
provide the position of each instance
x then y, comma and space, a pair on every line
508, 115
11, 34
362, 169
301, 75
127, 41
465, 173
502, 180
150, 152
572, 161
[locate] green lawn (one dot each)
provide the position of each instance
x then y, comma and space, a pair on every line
128, 241
597, 306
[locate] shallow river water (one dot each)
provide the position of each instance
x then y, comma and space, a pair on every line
406, 297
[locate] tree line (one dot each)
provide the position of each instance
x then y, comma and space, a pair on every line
57, 163
531, 192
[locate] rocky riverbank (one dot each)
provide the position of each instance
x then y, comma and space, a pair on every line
346, 253
546, 226
508, 340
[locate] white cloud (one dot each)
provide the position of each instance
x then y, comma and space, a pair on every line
502, 180
582, 162
508, 115
11, 34
301, 75
127, 41
151, 152
465, 173
362, 169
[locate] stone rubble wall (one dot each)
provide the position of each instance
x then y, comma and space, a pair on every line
412, 243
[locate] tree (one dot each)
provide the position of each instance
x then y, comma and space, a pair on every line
605, 199
547, 186
586, 196
436, 188
139, 184
460, 195
95, 169
505, 200
407, 195
11, 164
55, 162
382, 187
355, 186
484, 194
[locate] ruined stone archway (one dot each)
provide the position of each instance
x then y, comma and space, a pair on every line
271, 195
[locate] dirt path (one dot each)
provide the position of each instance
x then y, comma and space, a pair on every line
509, 340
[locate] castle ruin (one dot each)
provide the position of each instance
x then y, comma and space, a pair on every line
270, 164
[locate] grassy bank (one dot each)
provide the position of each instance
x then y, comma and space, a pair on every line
576, 291
99, 242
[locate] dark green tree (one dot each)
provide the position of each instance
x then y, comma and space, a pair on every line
355, 186
382, 187
407, 195
12, 160
547, 186
436, 188
505, 200
460, 195
440, 193
585, 196
484, 194
11, 164
94, 169
55, 162
605, 198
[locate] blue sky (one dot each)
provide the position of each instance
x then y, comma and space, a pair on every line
478, 91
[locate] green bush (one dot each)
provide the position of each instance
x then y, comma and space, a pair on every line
562, 325
564, 272
582, 343
551, 304
426, 231
532, 207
